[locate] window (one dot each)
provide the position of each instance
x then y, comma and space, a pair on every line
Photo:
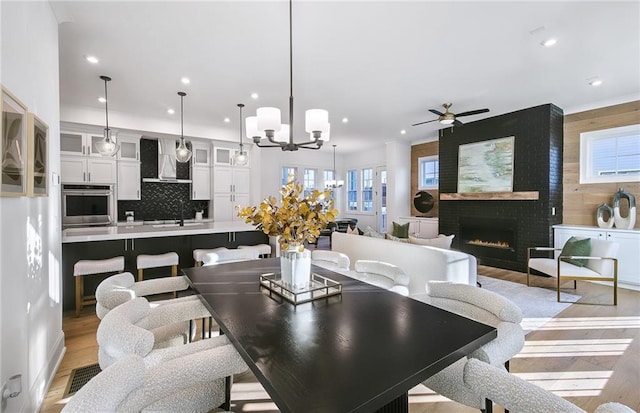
288, 172
610, 155
328, 176
428, 176
367, 190
352, 190
309, 181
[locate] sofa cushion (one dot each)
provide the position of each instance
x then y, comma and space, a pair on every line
576, 247
353, 231
400, 230
441, 241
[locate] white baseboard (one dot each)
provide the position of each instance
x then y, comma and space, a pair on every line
41, 385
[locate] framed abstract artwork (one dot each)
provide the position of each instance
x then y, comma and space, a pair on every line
486, 166
38, 155
13, 146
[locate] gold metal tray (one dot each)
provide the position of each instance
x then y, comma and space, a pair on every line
319, 287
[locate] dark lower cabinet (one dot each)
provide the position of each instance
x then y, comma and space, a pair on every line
183, 245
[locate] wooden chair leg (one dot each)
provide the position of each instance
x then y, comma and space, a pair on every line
174, 273
79, 294
140, 274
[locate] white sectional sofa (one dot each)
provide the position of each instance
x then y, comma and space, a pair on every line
421, 263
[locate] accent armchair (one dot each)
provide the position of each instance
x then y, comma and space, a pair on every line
601, 264
230, 255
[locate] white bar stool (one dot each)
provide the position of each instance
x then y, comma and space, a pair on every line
264, 250
199, 254
168, 259
91, 267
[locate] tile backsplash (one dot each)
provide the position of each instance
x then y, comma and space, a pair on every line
161, 200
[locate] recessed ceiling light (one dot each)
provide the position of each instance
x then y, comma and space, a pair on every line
254, 95
595, 82
549, 42
403, 132
185, 80
102, 99
345, 120
91, 59
227, 120
171, 111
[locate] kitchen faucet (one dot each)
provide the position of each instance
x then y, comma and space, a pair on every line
181, 213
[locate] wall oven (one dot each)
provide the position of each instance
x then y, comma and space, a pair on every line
88, 205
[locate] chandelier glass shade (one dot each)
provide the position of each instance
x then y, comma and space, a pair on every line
268, 123
183, 154
107, 146
241, 157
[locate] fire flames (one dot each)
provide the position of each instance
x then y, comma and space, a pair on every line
492, 244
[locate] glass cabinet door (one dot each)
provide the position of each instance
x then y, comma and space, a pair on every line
72, 143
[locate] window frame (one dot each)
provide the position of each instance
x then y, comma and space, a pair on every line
587, 142
351, 174
369, 191
428, 159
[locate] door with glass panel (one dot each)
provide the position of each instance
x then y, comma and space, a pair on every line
381, 198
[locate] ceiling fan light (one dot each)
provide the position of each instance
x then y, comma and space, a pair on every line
268, 119
446, 121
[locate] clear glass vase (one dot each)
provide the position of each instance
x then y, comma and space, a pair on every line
295, 267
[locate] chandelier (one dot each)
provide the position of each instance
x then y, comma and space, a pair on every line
107, 146
334, 183
266, 123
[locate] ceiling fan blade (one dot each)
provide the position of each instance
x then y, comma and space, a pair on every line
436, 112
422, 123
472, 112
457, 123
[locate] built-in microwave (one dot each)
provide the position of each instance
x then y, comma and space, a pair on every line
88, 205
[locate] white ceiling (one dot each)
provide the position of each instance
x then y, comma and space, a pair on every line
381, 64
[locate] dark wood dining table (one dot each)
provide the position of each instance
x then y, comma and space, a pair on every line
359, 351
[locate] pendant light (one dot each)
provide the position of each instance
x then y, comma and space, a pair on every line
267, 123
183, 154
241, 156
107, 146
334, 183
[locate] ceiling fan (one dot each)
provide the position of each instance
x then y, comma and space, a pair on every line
448, 118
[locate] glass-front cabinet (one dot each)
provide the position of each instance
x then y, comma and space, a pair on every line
79, 143
201, 153
129, 148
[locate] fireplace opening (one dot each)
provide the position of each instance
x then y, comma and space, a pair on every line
488, 237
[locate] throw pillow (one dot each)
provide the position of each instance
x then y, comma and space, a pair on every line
576, 247
393, 238
370, 232
353, 231
400, 230
441, 241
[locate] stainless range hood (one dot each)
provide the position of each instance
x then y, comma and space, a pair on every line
167, 163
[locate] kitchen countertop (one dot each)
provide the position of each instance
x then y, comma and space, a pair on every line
152, 230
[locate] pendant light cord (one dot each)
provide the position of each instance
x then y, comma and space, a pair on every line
106, 103
241, 105
181, 117
291, 72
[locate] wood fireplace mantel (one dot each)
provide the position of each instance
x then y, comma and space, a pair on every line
491, 196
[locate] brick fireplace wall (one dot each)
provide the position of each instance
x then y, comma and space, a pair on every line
538, 133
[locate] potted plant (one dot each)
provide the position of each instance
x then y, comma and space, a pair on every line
296, 218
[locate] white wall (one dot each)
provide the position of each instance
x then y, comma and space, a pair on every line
398, 180
30, 237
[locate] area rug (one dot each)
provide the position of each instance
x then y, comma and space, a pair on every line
538, 305
79, 377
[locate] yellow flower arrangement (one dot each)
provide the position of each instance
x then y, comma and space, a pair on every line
297, 219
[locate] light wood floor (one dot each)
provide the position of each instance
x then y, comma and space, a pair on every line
591, 354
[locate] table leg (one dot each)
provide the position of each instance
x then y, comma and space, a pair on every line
398, 405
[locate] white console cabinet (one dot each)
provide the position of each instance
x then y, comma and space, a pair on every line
421, 227
628, 254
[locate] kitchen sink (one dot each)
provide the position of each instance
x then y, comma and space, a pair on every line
186, 224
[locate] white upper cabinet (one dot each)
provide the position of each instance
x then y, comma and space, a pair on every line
77, 170
201, 153
225, 157
129, 148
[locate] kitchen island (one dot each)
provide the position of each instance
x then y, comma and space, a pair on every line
155, 238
